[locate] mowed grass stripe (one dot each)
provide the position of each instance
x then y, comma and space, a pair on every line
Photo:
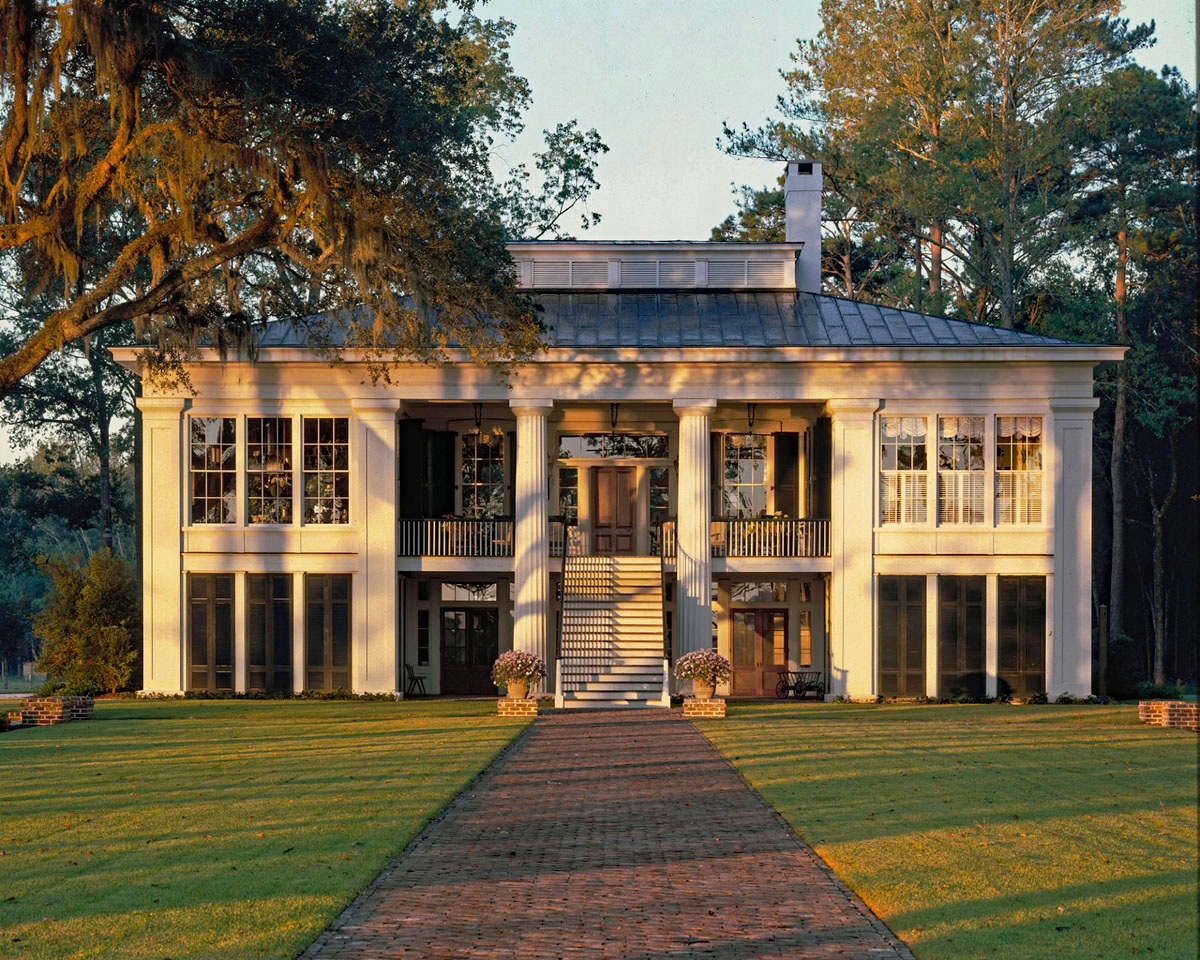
218, 828
990, 830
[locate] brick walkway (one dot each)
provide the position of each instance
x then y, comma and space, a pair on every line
608, 835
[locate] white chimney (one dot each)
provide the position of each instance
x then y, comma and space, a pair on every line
802, 209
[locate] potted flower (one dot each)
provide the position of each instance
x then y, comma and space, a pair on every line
705, 668
515, 670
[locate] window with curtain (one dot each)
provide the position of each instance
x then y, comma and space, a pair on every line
483, 474
269, 469
213, 469
744, 475
961, 475
1018, 470
903, 470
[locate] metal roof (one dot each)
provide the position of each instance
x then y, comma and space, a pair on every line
708, 318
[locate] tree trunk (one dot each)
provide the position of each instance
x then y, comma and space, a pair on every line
1116, 583
935, 257
1159, 515
103, 447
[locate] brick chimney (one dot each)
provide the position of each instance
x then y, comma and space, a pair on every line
802, 208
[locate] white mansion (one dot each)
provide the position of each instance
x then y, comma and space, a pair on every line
708, 452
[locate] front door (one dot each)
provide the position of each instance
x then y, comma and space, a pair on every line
759, 651
614, 504
470, 645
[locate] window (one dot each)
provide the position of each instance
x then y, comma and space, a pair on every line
568, 494
482, 475
469, 592
758, 592
327, 631
744, 475
659, 480
269, 632
902, 470
210, 631
269, 469
214, 469
326, 470
1019, 470
602, 445
805, 658
961, 476
422, 638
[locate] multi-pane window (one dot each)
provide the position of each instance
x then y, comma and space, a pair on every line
326, 464
744, 475
210, 631
269, 469
568, 494
214, 469
659, 481
482, 474
902, 469
422, 638
1019, 470
619, 445
961, 474
269, 631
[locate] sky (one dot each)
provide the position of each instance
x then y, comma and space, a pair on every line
658, 77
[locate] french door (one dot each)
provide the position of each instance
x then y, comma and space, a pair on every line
902, 636
1022, 641
962, 669
210, 631
269, 632
470, 645
759, 651
327, 628
614, 510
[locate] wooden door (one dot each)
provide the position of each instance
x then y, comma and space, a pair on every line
960, 628
614, 508
327, 632
902, 636
470, 645
210, 631
269, 632
759, 651
1022, 641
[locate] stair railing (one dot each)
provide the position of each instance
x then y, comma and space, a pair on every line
666, 664
562, 604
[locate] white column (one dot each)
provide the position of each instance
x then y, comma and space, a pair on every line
375, 636
851, 535
531, 537
164, 508
693, 563
1068, 602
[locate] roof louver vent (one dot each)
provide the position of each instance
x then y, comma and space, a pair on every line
551, 273
639, 273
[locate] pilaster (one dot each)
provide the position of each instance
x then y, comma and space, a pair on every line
531, 536
852, 589
375, 637
164, 499
693, 565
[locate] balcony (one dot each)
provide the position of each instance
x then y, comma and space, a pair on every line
454, 537
775, 537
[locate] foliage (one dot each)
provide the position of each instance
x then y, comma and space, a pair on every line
1147, 690
707, 666
517, 665
224, 829
194, 168
986, 831
89, 624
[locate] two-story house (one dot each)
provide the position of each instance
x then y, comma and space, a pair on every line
708, 452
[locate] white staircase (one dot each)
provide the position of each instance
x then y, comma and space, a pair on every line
611, 652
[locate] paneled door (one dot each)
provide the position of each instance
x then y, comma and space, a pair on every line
614, 509
902, 636
1022, 640
759, 651
327, 626
470, 645
210, 631
960, 628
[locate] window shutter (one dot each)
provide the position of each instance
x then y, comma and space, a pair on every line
716, 474
410, 452
787, 473
510, 471
439, 473
820, 468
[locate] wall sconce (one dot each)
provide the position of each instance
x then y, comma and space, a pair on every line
478, 407
751, 409
613, 411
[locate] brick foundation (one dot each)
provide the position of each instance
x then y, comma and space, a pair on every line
1176, 714
526, 707
43, 711
695, 708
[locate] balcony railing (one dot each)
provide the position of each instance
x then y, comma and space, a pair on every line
758, 537
455, 537
565, 535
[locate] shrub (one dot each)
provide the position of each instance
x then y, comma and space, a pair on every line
88, 625
707, 666
517, 665
1161, 691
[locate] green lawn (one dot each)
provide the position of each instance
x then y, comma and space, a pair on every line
986, 831
218, 829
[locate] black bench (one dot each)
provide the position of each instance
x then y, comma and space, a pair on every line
800, 683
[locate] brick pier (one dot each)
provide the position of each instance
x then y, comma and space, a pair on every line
608, 835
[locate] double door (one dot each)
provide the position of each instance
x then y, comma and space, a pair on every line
759, 651
470, 645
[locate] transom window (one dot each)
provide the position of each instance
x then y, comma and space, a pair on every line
758, 591
269, 469
326, 463
604, 445
214, 469
744, 475
961, 474
482, 592
482, 474
902, 475
1019, 470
